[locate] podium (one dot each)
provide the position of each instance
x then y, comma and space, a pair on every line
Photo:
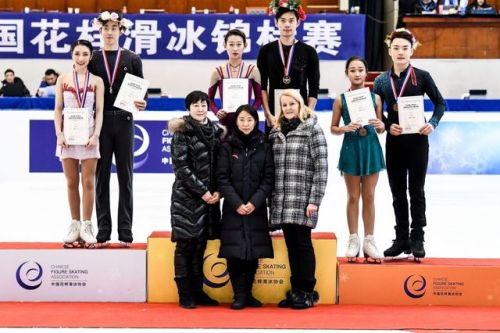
271, 281
435, 281
47, 272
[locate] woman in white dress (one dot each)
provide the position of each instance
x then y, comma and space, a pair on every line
79, 89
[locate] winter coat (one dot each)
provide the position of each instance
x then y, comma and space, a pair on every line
301, 172
14, 89
245, 174
193, 159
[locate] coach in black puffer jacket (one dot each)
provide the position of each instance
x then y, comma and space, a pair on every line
245, 173
195, 212
193, 156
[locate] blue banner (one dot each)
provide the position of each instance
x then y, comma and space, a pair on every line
171, 36
456, 147
151, 153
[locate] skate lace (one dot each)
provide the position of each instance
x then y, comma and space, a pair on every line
89, 229
73, 228
353, 245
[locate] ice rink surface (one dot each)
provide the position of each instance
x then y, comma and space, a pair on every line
462, 211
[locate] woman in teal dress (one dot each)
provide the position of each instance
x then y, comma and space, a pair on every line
361, 160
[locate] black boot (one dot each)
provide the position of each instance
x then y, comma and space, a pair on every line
200, 297
417, 248
185, 295
399, 245
303, 300
287, 302
250, 300
239, 290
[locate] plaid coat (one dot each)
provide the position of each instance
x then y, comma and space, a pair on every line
301, 172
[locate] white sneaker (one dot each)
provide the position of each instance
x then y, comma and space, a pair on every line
352, 247
87, 232
73, 232
370, 249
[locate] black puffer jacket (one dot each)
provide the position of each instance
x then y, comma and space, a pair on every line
245, 173
193, 158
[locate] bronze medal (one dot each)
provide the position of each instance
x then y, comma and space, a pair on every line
362, 131
395, 107
287, 80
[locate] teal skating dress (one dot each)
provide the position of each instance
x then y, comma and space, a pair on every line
360, 155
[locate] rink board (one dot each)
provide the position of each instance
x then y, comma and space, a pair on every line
464, 282
271, 281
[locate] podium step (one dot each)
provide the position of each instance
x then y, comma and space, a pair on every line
271, 281
48, 272
434, 281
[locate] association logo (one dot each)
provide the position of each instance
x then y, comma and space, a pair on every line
414, 286
217, 275
141, 141
29, 275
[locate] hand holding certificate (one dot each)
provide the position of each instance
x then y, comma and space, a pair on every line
235, 93
76, 126
411, 114
132, 89
360, 106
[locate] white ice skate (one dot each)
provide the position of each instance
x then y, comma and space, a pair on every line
353, 247
87, 234
372, 255
72, 238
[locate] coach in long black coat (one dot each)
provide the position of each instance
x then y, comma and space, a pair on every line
245, 175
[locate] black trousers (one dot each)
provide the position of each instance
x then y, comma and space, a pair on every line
300, 256
117, 137
238, 266
407, 157
188, 258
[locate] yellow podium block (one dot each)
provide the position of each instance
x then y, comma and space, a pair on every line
271, 281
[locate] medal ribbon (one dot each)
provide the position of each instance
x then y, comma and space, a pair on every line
80, 98
409, 74
111, 79
288, 63
240, 70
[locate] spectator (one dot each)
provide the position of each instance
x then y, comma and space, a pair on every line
478, 5
48, 84
426, 6
13, 86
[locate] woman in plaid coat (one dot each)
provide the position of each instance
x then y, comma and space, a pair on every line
301, 171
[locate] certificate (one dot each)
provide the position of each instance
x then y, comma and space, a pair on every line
76, 126
277, 105
411, 113
133, 88
234, 94
360, 106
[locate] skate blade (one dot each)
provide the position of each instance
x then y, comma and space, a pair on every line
102, 245
125, 245
400, 258
74, 245
370, 260
90, 246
